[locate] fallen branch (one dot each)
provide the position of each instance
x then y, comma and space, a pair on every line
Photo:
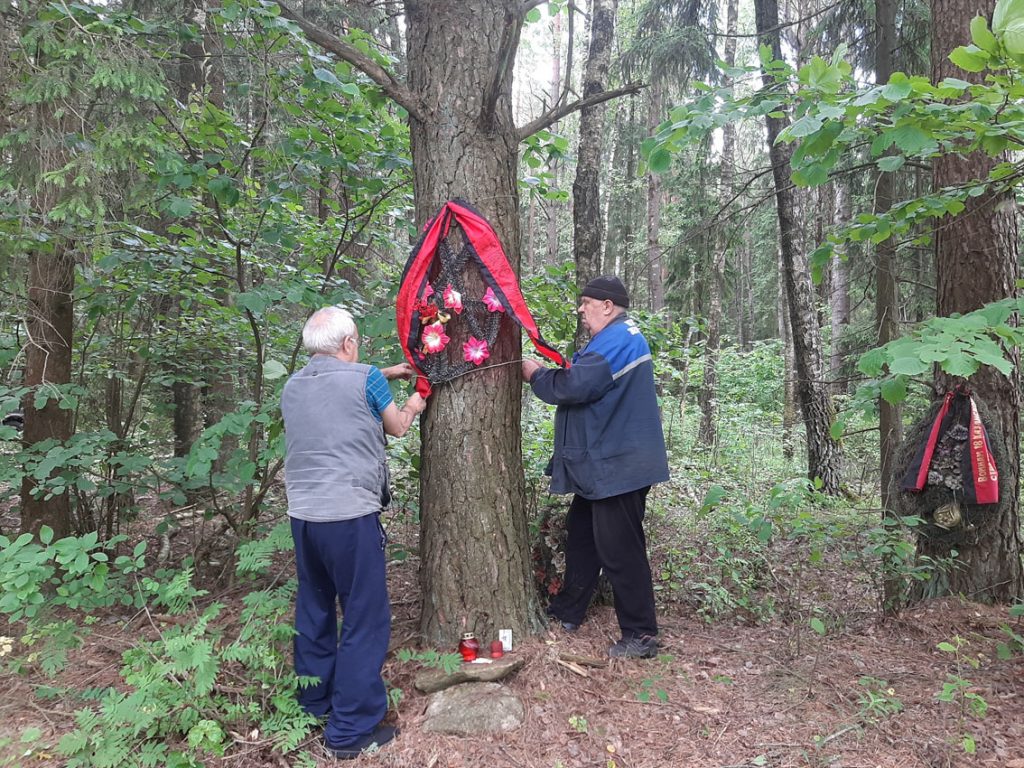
575, 668
583, 661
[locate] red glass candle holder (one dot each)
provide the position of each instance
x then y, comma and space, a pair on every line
496, 650
469, 647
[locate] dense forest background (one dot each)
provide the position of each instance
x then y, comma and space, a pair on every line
813, 205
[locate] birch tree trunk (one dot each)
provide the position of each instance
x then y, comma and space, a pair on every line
824, 455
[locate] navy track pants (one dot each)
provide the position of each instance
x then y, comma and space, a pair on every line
342, 562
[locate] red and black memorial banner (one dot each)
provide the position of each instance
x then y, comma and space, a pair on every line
431, 296
956, 454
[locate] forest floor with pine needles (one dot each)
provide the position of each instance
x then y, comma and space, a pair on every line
730, 693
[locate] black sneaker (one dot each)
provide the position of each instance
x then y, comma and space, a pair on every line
641, 647
369, 744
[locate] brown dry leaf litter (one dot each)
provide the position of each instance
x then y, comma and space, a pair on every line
725, 694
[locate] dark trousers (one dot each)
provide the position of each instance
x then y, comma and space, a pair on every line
608, 534
342, 561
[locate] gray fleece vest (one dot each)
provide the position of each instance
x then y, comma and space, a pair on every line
334, 467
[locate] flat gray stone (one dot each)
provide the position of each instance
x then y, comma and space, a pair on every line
474, 709
433, 680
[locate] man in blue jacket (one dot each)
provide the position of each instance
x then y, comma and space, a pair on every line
609, 450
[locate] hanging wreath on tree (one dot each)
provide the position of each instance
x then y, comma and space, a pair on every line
947, 470
432, 299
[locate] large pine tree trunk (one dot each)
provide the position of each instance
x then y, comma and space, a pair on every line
474, 545
976, 263
707, 434
586, 189
824, 456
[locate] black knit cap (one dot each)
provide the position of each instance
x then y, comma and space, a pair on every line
607, 287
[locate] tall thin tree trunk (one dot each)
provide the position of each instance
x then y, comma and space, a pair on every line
839, 293
655, 276
890, 416
789, 407
586, 189
556, 89
977, 262
707, 434
824, 455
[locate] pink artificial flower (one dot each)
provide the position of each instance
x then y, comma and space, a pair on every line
492, 302
428, 292
434, 338
453, 299
475, 350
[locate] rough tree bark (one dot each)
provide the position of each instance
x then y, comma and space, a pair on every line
474, 545
49, 316
708, 398
976, 262
824, 455
49, 323
474, 555
587, 225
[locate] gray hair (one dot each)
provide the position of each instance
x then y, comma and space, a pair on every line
327, 329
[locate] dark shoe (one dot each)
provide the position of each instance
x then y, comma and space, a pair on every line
642, 647
568, 626
370, 743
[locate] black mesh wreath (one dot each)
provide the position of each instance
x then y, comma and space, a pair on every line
945, 483
447, 364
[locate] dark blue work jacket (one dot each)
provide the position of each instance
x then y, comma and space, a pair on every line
608, 437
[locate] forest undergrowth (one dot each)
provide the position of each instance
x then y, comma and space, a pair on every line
169, 644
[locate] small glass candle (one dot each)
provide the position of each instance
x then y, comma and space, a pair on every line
469, 646
496, 650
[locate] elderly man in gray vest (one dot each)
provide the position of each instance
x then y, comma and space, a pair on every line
336, 413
